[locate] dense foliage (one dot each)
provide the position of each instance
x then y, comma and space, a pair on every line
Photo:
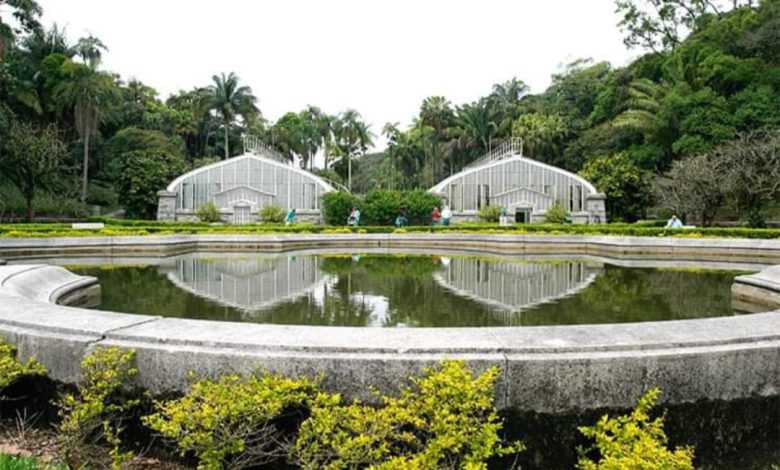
447, 419
381, 207
272, 214
94, 415
231, 422
710, 82
11, 369
633, 442
208, 212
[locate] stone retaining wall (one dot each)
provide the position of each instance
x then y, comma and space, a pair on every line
545, 369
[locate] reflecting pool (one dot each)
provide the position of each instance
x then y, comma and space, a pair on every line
411, 290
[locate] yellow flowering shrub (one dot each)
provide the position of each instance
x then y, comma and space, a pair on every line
228, 423
447, 419
11, 369
94, 414
633, 442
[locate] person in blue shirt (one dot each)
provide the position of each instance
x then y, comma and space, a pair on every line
674, 222
401, 220
354, 217
290, 217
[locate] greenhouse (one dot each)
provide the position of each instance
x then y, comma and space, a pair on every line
241, 186
525, 188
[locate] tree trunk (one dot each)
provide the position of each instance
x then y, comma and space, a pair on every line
29, 209
85, 173
349, 173
227, 150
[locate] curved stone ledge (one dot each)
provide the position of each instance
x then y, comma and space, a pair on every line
762, 288
546, 369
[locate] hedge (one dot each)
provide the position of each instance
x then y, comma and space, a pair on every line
129, 228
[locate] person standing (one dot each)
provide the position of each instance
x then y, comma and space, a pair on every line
502, 217
446, 216
435, 216
354, 218
290, 217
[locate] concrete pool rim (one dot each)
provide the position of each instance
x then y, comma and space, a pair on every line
545, 369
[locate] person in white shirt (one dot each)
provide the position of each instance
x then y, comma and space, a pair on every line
446, 216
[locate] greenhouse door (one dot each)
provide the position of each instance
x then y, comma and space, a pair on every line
523, 215
241, 215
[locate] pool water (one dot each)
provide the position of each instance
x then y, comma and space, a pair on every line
410, 290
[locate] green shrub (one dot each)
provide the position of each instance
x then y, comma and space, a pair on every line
381, 207
141, 174
208, 212
446, 420
633, 442
490, 213
230, 422
11, 369
272, 214
557, 214
8, 462
94, 414
337, 205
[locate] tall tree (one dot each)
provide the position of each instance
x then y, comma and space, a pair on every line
437, 112
542, 134
31, 158
229, 100
506, 99
90, 49
91, 95
661, 25
353, 137
478, 125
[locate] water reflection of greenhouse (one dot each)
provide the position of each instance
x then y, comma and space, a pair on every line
250, 285
513, 287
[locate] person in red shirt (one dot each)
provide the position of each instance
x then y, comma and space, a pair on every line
436, 216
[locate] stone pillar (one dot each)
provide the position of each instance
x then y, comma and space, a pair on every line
595, 205
166, 205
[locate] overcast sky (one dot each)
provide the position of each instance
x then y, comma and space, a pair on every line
381, 57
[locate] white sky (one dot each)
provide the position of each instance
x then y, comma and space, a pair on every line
381, 57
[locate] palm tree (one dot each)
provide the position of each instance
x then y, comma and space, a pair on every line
353, 137
229, 100
89, 48
506, 99
478, 125
436, 112
642, 106
318, 132
541, 133
91, 94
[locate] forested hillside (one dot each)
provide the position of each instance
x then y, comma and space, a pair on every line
691, 126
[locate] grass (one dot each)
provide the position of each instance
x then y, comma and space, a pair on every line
8, 462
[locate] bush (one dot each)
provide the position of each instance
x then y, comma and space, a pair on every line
381, 207
633, 442
95, 413
11, 369
141, 174
231, 420
447, 420
557, 214
208, 212
272, 214
490, 213
337, 205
